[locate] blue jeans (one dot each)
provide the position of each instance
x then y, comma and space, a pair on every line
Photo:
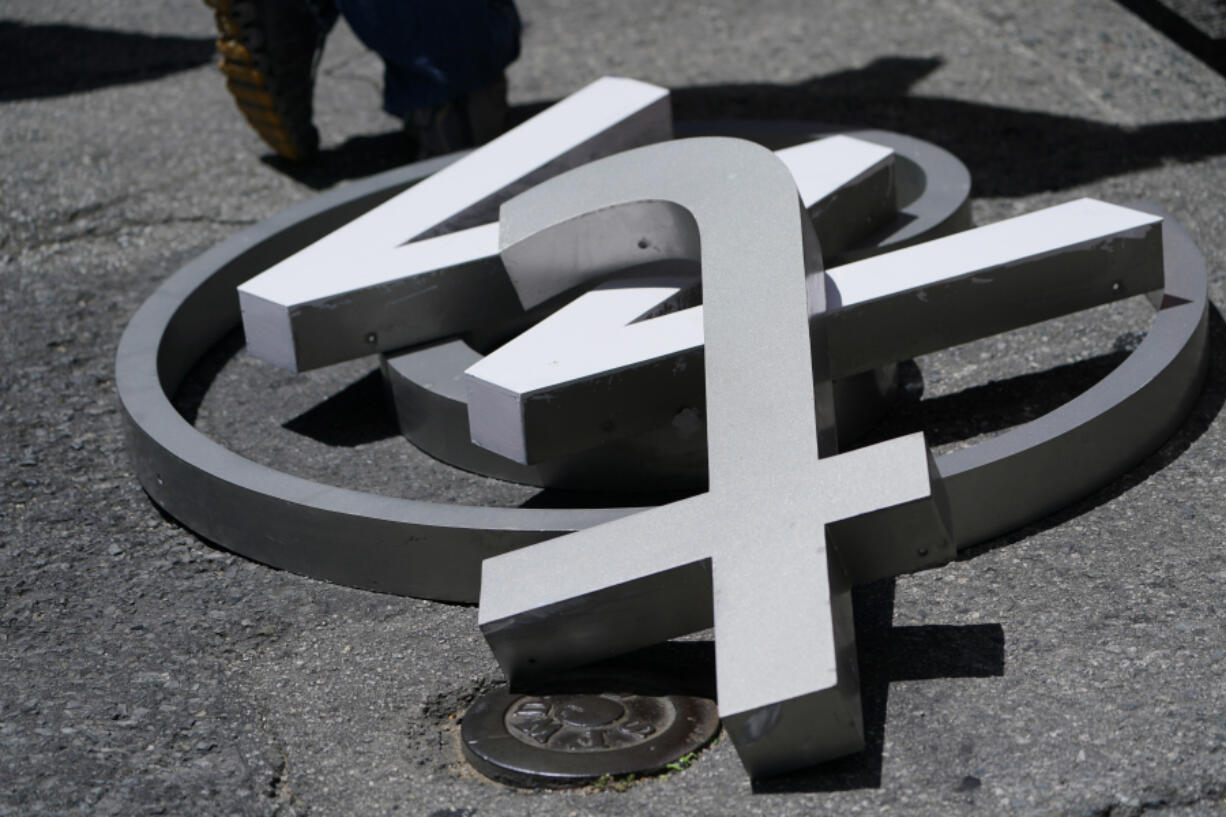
433, 51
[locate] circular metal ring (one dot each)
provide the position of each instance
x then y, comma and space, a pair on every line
434, 550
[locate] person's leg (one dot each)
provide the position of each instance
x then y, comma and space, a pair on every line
269, 50
444, 62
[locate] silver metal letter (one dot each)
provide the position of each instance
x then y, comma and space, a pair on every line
751, 555
595, 368
381, 282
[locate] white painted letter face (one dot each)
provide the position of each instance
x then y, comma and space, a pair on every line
380, 283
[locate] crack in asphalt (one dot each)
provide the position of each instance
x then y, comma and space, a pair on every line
1209, 793
15, 244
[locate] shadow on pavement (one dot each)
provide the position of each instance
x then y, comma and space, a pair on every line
356, 158
670, 668
358, 414
1010, 152
1198, 28
1204, 411
188, 398
38, 61
988, 408
887, 654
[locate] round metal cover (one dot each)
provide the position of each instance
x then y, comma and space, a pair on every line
567, 739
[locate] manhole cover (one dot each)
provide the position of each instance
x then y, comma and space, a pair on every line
566, 739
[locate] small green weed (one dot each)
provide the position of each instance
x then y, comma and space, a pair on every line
682, 763
607, 782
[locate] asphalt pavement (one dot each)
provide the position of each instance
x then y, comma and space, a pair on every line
1075, 667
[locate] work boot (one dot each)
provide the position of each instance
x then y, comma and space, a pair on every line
467, 122
269, 51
